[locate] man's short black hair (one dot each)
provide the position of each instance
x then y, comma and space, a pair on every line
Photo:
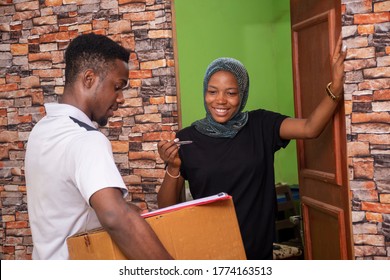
92, 51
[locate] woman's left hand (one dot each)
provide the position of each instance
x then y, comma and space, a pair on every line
338, 58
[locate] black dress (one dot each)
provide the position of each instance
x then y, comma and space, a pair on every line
243, 167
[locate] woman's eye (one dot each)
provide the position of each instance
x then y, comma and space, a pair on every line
232, 93
211, 92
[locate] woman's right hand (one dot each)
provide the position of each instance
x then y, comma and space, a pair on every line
169, 153
173, 183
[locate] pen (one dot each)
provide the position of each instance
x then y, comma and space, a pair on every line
184, 142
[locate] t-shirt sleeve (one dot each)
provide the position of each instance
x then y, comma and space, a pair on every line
279, 142
270, 122
94, 165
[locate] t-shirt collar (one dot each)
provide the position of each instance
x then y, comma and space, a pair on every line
57, 109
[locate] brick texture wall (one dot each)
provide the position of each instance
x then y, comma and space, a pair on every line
366, 32
33, 36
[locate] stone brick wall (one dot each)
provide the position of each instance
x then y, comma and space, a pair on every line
33, 36
366, 32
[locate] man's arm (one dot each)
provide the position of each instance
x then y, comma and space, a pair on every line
127, 228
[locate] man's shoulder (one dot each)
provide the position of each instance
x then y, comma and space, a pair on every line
91, 137
82, 124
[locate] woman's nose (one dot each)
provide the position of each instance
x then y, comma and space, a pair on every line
220, 98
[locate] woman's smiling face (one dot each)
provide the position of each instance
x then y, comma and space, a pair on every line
222, 96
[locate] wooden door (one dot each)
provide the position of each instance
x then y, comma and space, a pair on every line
323, 178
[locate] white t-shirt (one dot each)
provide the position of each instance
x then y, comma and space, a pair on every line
67, 161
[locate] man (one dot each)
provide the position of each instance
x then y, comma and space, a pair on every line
73, 184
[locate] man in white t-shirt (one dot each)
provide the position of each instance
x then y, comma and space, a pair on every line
73, 184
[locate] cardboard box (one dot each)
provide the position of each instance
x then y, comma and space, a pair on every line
203, 229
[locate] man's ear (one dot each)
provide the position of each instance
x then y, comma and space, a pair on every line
89, 78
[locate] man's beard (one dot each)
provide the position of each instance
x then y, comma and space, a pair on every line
102, 121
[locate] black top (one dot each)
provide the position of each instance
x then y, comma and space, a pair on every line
243, 167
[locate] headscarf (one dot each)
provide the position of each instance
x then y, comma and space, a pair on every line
208, 126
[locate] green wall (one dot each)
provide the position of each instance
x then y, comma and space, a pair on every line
256, 32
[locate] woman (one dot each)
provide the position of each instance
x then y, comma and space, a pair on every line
233, 151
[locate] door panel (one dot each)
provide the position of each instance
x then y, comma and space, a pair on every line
323, 180
321, 217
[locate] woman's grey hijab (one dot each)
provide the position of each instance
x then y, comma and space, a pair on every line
208, 125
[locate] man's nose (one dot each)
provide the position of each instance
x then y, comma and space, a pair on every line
120, 98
